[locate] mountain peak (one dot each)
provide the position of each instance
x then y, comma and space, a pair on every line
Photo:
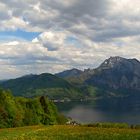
117, 61
118, 73
116, 58
111, 62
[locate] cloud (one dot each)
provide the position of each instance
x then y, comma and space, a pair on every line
74, 33
4, 15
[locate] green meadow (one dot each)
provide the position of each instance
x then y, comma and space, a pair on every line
68, 132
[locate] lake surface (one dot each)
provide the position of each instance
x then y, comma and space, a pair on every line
122, 111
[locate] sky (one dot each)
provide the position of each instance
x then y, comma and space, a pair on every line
38, 36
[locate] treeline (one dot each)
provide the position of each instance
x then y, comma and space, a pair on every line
19, 111
108, 125
113, 125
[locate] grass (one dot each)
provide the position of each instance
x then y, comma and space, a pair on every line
63, 132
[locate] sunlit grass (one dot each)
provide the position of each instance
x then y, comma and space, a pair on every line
64, 132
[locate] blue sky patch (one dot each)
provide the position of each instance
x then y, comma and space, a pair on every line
19, 34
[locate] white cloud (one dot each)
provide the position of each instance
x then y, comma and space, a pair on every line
12, 43
75, 33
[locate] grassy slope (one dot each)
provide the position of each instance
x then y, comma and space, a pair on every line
68, 133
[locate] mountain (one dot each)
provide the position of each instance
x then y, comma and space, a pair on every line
117, 73
1, 81
116, 76
43, 84
69, 73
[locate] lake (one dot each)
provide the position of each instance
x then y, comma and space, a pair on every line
114, 110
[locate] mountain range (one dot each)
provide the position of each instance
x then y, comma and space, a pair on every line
43, 84
115, 77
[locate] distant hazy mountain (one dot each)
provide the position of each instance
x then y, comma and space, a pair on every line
69, 73
1, 81
43, 84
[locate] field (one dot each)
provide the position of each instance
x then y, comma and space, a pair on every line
68, 133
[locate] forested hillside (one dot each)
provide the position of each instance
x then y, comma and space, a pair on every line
19, 111
43, 84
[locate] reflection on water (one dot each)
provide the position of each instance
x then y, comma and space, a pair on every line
102, 111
